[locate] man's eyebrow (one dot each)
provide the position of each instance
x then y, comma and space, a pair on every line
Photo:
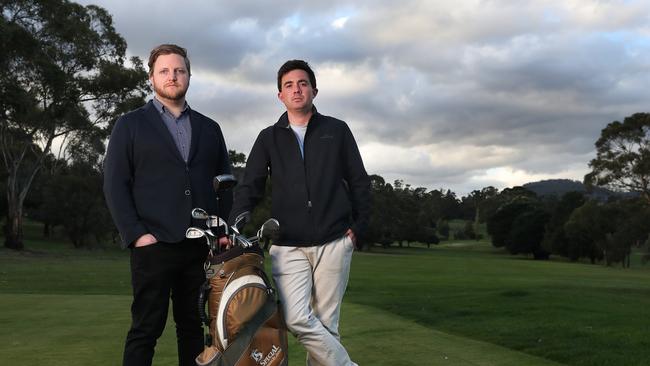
297, 81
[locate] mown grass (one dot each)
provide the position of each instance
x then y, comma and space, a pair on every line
572, 313
462, 303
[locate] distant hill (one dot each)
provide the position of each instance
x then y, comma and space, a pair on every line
558, 187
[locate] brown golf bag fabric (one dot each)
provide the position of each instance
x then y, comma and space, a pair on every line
245, 323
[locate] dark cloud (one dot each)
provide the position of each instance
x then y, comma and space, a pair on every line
460, 95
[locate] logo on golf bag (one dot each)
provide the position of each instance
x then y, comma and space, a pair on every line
257, 355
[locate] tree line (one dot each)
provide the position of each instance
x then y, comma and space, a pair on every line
573, 226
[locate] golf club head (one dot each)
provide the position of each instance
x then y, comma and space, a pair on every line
242, 219
270, 230
194, 233
216, 221
224, 182
199, 214
244, 242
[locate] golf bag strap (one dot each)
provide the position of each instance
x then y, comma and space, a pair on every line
203, 296
235, 350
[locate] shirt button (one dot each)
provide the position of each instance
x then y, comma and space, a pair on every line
187, 192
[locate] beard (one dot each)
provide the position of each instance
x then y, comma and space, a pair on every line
175, 94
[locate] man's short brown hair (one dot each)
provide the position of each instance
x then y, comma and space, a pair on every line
168, 49
296, 65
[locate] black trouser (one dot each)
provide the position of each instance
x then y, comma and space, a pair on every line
158, 271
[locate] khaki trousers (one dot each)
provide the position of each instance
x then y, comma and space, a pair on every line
311, 282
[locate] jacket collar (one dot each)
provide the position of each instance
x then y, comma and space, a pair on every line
283, 121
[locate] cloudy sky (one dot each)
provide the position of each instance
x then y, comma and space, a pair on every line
442, 94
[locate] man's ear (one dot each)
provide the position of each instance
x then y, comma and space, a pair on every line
315, 91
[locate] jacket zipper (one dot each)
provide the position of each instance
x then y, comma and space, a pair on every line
309, 204
304, 164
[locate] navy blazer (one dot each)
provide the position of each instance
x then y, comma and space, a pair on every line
148, 186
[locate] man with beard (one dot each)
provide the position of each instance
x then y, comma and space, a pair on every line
160, 162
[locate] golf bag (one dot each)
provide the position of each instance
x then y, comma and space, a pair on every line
245, 324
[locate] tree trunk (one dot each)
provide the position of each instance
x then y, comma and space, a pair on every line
14, 229
46, 230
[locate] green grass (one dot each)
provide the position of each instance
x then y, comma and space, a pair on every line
89, 329
462, 303
572, 313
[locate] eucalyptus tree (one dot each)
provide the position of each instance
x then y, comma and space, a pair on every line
622, 162
64, 78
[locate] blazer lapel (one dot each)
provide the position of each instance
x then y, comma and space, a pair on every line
195, 121
159, 126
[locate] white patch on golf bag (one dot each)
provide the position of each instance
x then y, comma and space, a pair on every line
228, 292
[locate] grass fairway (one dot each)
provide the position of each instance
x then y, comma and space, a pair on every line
462, 304
79, 330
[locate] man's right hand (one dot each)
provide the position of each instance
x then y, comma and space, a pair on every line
144, 240
224, 242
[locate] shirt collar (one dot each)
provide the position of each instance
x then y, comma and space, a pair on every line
162, 109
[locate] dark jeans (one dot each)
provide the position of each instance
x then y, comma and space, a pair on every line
158, 271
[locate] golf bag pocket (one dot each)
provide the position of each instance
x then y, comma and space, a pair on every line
244, 321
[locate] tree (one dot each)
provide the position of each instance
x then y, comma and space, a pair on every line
608, 231
74, 199
515, 202
632, 217
622, 162
586, 231
494, 200
63, 77
405, 212
527, 233
555, 240
443, 229
238, 161
430, 237
381, 228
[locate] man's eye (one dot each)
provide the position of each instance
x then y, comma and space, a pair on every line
181, 71
164, 72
